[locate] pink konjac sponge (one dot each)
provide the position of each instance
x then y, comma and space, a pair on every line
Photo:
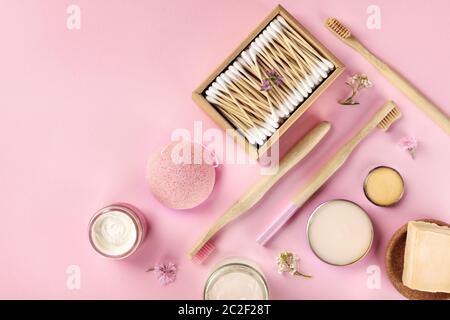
182, 175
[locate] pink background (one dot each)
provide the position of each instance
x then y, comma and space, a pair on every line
81, 111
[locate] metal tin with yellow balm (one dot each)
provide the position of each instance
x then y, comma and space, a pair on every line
384, 186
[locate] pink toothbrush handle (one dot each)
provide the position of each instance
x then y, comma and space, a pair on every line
277, 224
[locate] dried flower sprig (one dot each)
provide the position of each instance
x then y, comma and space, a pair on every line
273, 78
410, 145
287, 262
165, 272
357, 83
265, 85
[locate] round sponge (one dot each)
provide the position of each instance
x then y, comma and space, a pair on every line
182, 175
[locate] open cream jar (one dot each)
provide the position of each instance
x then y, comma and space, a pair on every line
236, 278
340, 232
117, 231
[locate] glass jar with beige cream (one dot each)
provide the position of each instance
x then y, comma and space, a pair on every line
236, 278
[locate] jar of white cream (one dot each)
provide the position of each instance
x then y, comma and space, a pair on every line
236, 278
340, 232
116, 231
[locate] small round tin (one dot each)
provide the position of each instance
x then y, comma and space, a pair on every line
333, 233
387, 186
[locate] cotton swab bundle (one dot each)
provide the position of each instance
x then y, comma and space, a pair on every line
245, 93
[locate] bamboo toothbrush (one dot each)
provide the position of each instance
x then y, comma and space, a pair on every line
202, 249
383, 119
343, 33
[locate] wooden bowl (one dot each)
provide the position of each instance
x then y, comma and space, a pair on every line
394, 258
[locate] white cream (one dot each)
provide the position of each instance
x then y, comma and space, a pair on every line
236, 279
114, 233
340, 232
236, 285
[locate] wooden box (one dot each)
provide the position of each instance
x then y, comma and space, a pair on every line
254, 151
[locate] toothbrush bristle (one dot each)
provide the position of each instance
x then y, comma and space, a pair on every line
338, 28
390, 118
203, 253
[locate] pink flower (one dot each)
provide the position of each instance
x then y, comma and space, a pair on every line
165, 272
265, 85
409, 144
274, 77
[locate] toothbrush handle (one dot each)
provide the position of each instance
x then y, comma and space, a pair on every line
314, 184
308, 191
276, 225
303, 147
406, 87
324, 174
